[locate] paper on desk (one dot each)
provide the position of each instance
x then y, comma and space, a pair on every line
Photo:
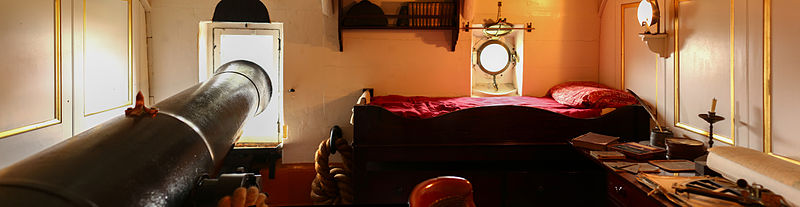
641, 167
618, 165
665, 185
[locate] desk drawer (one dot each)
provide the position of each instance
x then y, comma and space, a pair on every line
617, 190
623, 193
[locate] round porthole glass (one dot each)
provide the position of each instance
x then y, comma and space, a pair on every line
494, 57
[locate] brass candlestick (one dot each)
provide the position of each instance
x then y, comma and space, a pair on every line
711, 118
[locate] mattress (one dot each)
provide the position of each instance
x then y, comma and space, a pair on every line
421, 107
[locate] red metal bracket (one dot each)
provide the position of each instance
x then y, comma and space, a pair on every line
140, 109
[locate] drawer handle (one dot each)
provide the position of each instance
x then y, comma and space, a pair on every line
619, 190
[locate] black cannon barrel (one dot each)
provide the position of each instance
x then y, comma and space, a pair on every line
144, 161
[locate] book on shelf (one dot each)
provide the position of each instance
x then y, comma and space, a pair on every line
607, 155
638, 151
448, 13
412, 11
428, 11
437, 12
420, 12
417, 9
593, 141
430, 14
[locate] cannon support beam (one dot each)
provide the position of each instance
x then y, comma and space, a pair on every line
144, 161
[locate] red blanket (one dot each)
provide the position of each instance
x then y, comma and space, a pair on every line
427, 107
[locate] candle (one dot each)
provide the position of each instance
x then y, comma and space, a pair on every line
713, 105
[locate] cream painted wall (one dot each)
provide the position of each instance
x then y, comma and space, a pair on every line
105, 80
705, 64
645, 71
640, 65
785, 78
747, 68
39, 64
28, 68
563, 47
610, 49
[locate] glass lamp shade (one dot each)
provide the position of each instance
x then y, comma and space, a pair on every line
648, 13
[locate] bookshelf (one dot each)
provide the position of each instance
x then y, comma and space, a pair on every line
419, 15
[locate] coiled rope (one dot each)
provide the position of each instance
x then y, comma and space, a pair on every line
333, 186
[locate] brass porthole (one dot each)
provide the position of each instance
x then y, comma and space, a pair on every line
494, 57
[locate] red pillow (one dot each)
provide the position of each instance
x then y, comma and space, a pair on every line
590, 95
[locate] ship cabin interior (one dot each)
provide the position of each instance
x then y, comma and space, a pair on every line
399, 103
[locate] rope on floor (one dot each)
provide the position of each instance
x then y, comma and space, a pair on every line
332, 186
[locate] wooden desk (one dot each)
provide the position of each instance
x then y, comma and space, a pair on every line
624, 190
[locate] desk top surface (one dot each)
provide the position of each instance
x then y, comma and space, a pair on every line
631, 178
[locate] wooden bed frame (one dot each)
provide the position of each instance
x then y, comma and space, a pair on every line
495, 147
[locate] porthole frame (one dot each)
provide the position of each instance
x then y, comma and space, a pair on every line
509, 63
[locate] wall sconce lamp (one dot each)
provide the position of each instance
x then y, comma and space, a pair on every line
648, 15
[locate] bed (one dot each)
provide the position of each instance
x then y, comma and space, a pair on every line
516, 155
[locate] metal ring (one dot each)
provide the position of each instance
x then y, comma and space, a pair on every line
336, 133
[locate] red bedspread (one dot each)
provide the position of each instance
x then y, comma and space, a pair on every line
427, 107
